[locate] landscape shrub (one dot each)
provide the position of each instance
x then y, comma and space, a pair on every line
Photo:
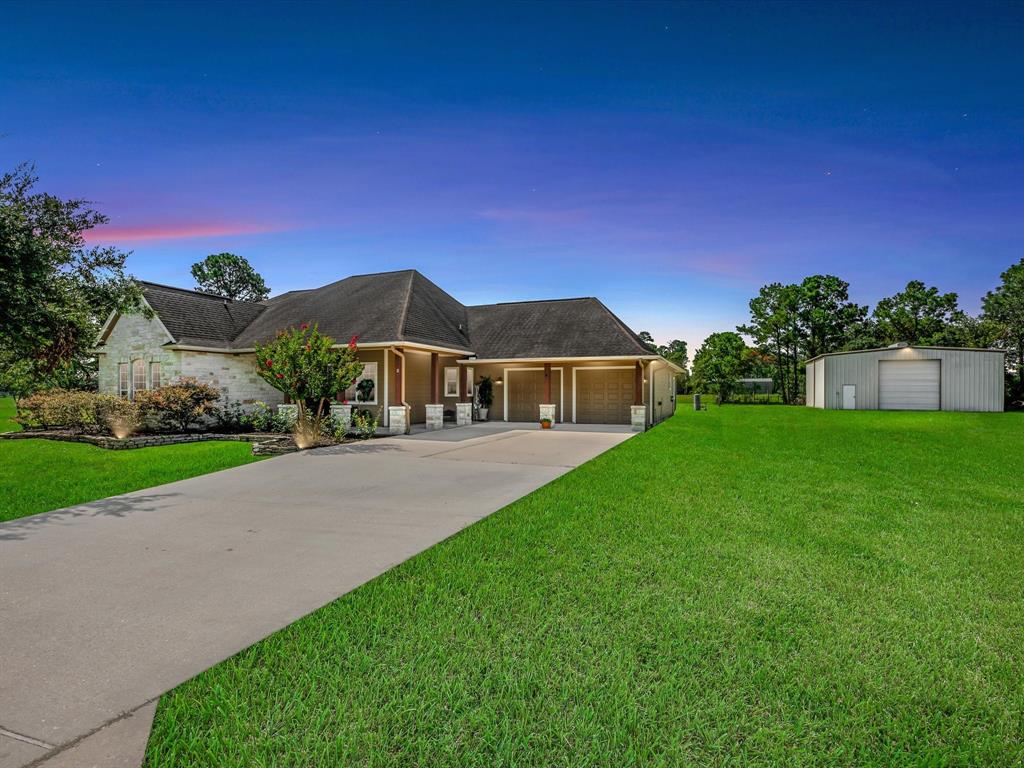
231, 417
180, 404
69, 409
364, 423
264, 418
118, 414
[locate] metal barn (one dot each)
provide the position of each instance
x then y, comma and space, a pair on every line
907, 378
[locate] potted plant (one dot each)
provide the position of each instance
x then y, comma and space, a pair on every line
545, 423
485, 396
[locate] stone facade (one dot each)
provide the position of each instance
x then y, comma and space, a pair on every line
638, 417
547, 411
234, 375
463, 414
135, 337
398, 419
435, 416
342, 413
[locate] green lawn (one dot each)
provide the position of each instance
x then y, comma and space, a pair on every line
741, 586
40, 475
6, 414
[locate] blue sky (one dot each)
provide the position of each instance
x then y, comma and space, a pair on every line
668, 158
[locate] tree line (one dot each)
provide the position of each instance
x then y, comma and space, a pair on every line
792, 323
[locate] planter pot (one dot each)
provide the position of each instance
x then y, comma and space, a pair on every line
483, 413
545, 425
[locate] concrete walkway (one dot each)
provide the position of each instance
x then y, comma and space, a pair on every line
105, 606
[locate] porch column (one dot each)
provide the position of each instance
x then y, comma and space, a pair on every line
435, 394
463, 408
547, 382
463, 387
399, 378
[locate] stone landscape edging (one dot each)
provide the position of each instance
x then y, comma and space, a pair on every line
262, 444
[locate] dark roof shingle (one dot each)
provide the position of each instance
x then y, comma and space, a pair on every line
558, 328
396, 307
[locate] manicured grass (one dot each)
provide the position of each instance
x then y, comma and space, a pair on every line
40, 475
742, 586
6, 414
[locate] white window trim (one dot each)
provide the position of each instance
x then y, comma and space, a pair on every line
451, 368
126, 389
376, 385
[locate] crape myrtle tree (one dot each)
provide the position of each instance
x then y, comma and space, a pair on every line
55, 291
303, 364
1004, 307
718, 364
230, 275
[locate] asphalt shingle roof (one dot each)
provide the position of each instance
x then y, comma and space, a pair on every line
559, 328
399, 306
193, 317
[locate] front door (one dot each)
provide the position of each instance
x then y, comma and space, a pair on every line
849, 397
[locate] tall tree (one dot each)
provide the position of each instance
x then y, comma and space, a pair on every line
718, 364
648, 341
228, 274
54, 290
829, 321
1005, 305
675, 351
917, 315
775, 328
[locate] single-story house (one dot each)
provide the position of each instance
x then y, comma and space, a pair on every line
908, 378
423, 351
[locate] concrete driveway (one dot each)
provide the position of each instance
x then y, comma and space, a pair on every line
107, 605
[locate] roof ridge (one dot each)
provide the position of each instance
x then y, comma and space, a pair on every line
194, 292
534, 301
438, 311
405, 304
629, 331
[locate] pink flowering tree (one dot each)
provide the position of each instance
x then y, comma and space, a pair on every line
305, 365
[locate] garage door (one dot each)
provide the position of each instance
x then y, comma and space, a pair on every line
908, 385
526, 393
603, 396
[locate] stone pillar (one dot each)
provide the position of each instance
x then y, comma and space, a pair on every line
290, 411
435, 416
638, 417
342, 413
547, 411
398, 417
463, 414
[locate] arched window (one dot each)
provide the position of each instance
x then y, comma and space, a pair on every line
138, 375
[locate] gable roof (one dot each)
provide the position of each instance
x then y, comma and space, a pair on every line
582, 327
401, 306
194, 317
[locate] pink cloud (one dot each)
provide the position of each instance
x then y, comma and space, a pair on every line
174, 231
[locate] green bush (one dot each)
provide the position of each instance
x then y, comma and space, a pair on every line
118, 414
58, 408
364, 423
180, 404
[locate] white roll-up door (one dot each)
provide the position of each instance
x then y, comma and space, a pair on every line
908, 385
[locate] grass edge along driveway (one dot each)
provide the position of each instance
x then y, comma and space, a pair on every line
42, 475
746, 585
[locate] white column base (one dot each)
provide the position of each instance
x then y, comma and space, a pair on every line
342, 414
463, 414
638, 417
398, 418
435, 416
547, 411
290, 412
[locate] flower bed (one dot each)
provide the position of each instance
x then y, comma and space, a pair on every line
263, 444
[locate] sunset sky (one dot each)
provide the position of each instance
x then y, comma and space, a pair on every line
667, 158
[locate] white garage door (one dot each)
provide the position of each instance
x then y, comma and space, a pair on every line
908, 385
